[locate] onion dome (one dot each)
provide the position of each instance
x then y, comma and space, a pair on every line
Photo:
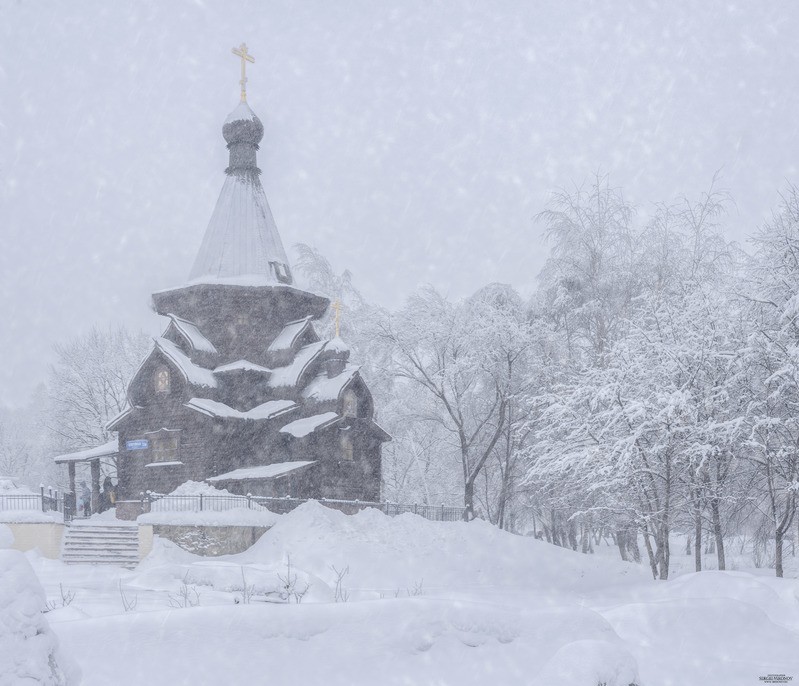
243, 126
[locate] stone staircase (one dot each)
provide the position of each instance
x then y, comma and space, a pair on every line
101, 544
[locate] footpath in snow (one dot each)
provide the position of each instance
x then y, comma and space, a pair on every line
406, 601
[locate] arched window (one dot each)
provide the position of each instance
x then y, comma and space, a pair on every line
347, 452
162, 380
349, 403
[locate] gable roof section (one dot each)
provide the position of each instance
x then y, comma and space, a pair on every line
300, 428
114, 421
217, 410
242, 366
375, 429
323, 389
105, 450
193, 373
192, 335
262, 472
290, 374
286, 339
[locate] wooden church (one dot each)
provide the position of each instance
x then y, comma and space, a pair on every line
240, 390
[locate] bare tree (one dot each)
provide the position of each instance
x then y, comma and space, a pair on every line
467, 357
88, 384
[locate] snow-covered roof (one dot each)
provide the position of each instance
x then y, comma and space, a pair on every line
243, 112
322, 388
267, 410
118, 418
291, 373
378, 430
262, 472
242, 238
193, 335
193, 373
288, 336
242, 366
110, 448
307, 425
336, 345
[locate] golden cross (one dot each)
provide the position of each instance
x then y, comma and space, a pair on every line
337, 308
241, 51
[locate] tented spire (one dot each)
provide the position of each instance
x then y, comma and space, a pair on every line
241, 243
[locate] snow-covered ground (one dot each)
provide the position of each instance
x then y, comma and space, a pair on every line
425, 603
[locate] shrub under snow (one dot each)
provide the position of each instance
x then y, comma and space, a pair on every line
28, 649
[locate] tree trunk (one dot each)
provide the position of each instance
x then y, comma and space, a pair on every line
698, 535
572, 533
633, 545
468, 500
778, 536
587, 538
663, 558
717, 533
652, 562
621, 543
555, 530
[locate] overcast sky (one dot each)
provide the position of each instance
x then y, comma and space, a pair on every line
411, 142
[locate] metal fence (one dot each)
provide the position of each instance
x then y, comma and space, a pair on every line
157, 502
47, 500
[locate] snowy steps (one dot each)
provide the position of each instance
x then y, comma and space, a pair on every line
101, 544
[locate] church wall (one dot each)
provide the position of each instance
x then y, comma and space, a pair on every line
196, 446
336, 477
263, 312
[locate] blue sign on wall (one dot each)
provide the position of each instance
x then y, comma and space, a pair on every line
139, 444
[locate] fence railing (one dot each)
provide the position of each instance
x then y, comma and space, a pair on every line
47, 500
157, 502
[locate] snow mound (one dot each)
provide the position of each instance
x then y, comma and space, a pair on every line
9, 487
236, 516
28, 649
388, 553
589, 663
199, 488
30, 516
187, 509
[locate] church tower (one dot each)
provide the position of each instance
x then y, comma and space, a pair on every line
239, 390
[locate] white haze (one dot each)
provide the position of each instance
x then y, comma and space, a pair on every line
410, 142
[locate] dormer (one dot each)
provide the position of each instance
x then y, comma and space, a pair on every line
167, 374
189, 339
292, 337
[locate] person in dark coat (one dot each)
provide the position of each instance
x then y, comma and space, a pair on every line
106, 500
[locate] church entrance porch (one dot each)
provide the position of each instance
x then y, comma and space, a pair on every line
82, 499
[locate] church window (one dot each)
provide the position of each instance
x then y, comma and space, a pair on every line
349, 404
165, 447
281, 272
162, 380
347, 452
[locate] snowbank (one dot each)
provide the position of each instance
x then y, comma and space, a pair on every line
426, 603
30, 517
9, 487
239, 516
29, 651
386, 553
199, 488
